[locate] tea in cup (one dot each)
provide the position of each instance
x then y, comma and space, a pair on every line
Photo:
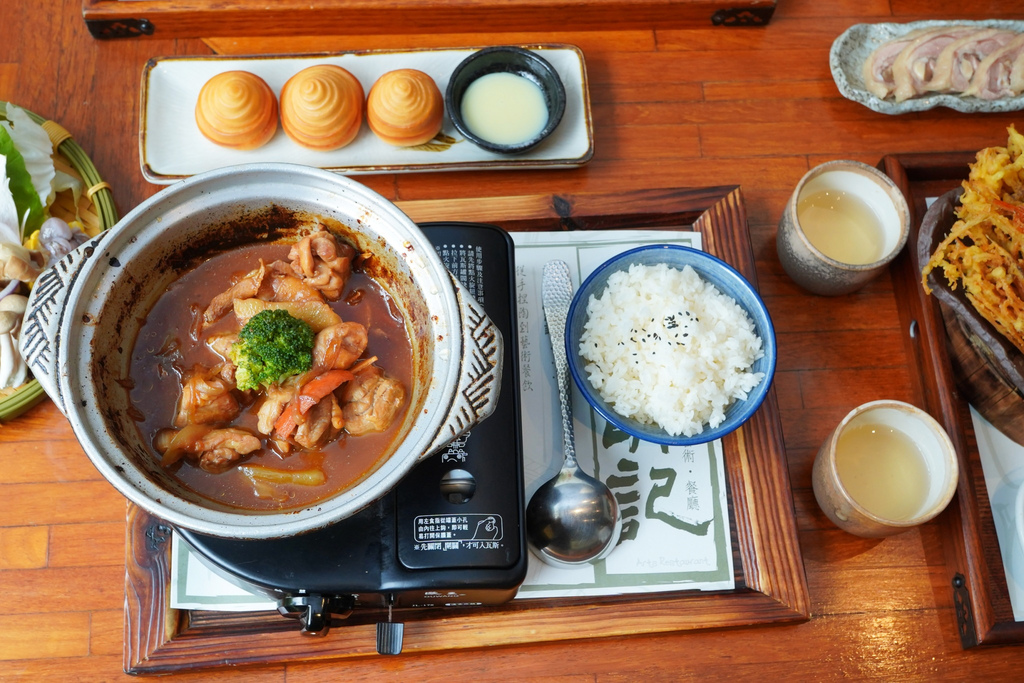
843, 224
887, 466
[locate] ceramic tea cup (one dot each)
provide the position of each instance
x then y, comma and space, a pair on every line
888, 466
843, 224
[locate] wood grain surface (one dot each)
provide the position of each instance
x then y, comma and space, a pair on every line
196, 18
682, 108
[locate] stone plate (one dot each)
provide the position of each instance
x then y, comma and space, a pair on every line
855, 45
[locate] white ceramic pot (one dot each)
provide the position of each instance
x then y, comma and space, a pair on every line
85, 312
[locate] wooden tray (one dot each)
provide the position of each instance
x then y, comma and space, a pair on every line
770, 582
975, 568
204, 18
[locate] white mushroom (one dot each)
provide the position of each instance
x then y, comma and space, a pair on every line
18, 263
15, 303
13, 370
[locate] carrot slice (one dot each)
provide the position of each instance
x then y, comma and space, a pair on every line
320, 386
311, 393
288, 421
1016, 211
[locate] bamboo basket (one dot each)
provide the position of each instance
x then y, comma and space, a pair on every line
96, 211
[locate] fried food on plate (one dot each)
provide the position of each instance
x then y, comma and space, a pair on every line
984, 250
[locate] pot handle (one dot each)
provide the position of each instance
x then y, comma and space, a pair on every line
480, 370
41, 330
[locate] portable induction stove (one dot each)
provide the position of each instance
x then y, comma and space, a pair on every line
450, 535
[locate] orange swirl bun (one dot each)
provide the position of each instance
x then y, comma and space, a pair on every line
405, 108
322, 107
237, 109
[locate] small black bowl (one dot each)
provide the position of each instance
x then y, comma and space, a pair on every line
507, 59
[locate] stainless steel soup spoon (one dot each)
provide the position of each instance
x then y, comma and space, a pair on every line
573, 518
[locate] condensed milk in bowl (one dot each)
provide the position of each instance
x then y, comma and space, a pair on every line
505, 99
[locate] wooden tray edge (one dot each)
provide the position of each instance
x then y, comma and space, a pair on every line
774, 587
980, 598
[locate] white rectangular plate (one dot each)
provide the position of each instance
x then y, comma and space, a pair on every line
172, 148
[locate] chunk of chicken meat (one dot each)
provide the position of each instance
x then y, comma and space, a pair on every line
339, 346
216, 450
221, 345
322, 262
321, 423
277, 398
206, 398
370, 401
281, 284
246, 288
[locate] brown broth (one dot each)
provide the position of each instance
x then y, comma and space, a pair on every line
165, 349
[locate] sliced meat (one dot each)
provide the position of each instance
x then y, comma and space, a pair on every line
914, 66
214, 450
992, 80
339, 346
956, 64
877, 69
370, 401
246, 288
206, 398
322, 263
1017, 75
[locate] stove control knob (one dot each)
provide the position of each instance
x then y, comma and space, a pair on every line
389, 637
311, 611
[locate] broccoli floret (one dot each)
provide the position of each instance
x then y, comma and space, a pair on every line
271, 347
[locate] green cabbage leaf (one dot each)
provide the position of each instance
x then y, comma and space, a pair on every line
26, 199
9, 231
36, 149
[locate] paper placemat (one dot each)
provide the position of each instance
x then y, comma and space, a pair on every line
1002, 461
675, 532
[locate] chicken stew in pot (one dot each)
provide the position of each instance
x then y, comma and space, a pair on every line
273, 375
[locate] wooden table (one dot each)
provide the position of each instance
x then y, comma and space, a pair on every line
675, 108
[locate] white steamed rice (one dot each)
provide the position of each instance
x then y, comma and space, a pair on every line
665, 347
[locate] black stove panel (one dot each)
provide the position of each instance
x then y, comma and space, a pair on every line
462, 509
